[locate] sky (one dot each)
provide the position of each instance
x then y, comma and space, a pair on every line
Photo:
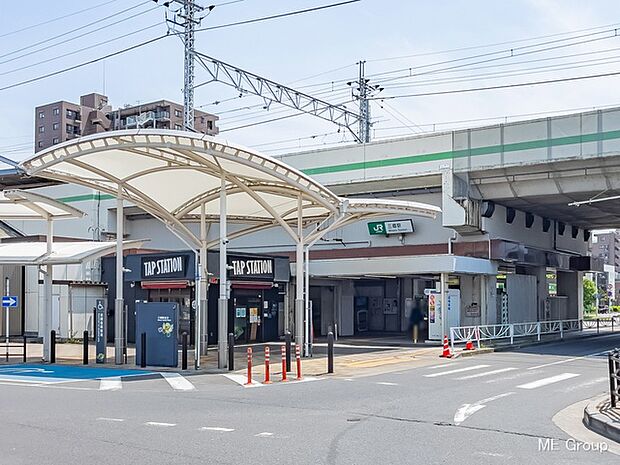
407, 46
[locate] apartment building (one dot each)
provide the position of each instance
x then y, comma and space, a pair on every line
607, 246
61, 121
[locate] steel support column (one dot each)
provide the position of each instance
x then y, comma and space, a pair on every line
118, 303
204, 281
299, 278
47, 292
222, 314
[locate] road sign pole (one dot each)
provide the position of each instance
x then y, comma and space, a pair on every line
6, 312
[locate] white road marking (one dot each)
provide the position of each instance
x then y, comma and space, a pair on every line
347, 379
559, 362
178, 382
441, 365
487, 373
110, 384
118, 420
520, 374
459, 370
385, 383
241, 380
546, 381
467, 410
217, 428
263, 435
157, 423
592, 382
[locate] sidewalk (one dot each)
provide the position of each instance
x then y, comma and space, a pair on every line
601, 418
352, 357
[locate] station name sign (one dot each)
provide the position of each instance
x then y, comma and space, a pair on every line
383, 228
164, 267
251, 267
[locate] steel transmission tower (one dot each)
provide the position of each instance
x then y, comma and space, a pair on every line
364, 126
362, 93
190, 17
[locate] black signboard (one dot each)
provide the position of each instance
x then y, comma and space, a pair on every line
250, 268
163, 267
100, 330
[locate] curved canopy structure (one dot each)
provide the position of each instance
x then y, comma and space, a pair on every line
179, 177
20, 205
171, 174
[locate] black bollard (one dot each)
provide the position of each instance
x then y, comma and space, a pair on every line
330, 352
53, 346
231, 352
287, 342
143, 350
25, 345
85, 346
184, 351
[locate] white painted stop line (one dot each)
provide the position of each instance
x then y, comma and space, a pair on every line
459, 370
546, 381
178, 382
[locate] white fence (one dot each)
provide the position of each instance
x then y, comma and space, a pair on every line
477, 334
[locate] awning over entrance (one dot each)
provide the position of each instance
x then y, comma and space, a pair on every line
63, 253
401, 266
18, 205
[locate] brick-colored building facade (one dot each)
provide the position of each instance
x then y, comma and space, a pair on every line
60, 121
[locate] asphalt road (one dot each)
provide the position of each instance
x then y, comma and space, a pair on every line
487, 409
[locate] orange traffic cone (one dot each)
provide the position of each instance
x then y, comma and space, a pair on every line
469, 345
446, 348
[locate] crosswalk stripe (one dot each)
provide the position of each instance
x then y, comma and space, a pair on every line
546, 381
178, 382
459, 370
110, 384
486, 373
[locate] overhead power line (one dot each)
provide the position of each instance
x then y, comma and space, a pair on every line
505, 86
496, 44
68, 33
58, 18
74, 52
280, 15
85, 63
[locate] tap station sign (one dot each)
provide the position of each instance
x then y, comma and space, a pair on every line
164, 266
258, 268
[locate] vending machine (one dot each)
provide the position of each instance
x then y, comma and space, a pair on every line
435, 314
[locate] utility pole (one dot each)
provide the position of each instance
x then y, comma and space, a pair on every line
362, 93
189, 19
364, 125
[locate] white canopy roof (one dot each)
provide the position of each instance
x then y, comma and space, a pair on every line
170, 174
22, 205
63, 253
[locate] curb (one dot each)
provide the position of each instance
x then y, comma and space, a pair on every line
471, 353
596, 421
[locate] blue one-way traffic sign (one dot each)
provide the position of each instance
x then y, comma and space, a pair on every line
9, 301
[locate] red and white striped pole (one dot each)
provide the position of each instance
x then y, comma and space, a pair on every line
267, 374
298, 357
249, 366
284, 364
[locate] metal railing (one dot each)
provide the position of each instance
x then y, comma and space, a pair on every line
614, 376
537, 329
